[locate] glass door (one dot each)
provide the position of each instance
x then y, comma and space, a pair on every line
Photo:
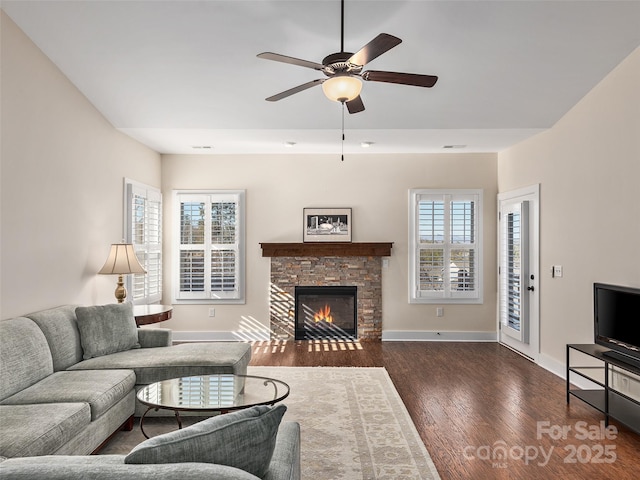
518, 271
514, 270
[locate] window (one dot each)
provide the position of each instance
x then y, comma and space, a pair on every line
445, 232
143, 228
209, 246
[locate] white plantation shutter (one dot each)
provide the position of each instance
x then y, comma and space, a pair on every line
143, 229
445, 246
210, 246
191, 240
225, 246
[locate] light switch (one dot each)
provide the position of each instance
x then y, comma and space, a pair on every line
556, 271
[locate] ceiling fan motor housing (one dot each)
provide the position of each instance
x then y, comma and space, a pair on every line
338, 63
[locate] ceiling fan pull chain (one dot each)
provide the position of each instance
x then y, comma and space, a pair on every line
342, 156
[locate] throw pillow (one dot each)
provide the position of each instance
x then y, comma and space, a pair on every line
244, 439
107, 329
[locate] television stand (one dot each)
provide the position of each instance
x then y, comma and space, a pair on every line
615, 389
622, 357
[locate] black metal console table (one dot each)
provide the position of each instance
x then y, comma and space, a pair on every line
616, 391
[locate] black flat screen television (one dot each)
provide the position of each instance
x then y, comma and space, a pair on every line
617, 321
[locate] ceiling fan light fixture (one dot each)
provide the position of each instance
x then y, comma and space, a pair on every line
342, 88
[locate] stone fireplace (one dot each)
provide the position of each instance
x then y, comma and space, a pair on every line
356, 265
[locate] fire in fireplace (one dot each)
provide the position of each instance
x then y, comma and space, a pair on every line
323, 312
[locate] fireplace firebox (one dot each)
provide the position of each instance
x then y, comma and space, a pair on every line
323, 312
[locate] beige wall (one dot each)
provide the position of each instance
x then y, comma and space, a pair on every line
588, 168
62, 176
374, 186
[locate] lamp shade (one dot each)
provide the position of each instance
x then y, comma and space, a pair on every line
342, 88
122, 260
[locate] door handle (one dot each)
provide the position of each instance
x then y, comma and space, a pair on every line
531, 288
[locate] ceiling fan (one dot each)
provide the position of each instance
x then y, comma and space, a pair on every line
344, 71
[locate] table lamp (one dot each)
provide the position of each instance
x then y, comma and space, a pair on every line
122, 260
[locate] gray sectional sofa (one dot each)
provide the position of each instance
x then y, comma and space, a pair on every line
248, 444
69, 375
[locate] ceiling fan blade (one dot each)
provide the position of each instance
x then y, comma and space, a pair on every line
276, 57
355, 105
376, 47
401, 78
293, 90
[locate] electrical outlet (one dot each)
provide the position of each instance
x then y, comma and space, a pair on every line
212, 312
385, 263
439, 312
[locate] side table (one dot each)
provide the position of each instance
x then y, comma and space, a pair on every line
148, 314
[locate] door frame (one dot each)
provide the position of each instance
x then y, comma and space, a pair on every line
532, 195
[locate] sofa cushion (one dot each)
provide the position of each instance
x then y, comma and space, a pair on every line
61, 330
150, 337
154, 364
40, 429
106, 329
244, 439
24, 355
101, 389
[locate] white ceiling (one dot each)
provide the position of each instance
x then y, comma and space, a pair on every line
179, 74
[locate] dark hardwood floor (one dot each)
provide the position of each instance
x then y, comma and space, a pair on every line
472, 401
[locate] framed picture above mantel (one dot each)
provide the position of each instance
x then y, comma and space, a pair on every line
327, 225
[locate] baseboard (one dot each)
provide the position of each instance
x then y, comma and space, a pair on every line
422, 336
387, 335
553, 365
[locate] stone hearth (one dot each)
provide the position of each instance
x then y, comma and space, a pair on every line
335, 266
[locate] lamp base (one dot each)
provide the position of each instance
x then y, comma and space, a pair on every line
121, 292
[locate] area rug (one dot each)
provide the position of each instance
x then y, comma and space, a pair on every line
353, 425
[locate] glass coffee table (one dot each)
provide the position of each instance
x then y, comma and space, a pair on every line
210, 393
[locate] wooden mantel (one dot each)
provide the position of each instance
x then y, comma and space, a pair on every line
326, 249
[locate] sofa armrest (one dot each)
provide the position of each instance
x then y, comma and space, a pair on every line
285, 463
155, 337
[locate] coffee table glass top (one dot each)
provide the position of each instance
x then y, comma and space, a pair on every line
221, 392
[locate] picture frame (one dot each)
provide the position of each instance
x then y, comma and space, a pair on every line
326, 224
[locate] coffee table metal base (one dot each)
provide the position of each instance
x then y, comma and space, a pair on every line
178, 419
177, 415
